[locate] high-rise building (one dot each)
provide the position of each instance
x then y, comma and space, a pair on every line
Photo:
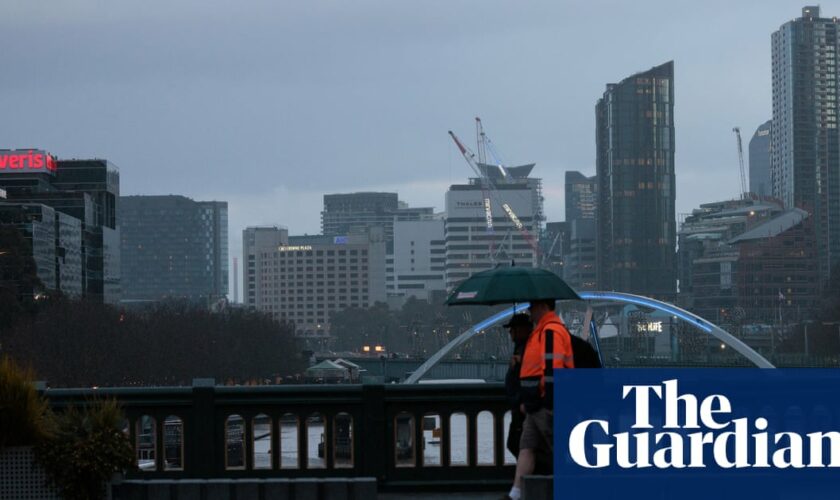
416, 268
306, 278
348, 213
581, 209
760, 183
472, 245
581, 196
636, 185
257, 241
84, 190
173, 248
805, 155
355, 213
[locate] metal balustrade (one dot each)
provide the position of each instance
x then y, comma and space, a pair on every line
417, 437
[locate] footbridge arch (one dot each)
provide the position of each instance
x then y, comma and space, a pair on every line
622, 298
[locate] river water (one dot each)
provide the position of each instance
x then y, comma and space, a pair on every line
432, 454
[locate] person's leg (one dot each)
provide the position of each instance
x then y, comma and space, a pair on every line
515, 433
524, 465
526, 460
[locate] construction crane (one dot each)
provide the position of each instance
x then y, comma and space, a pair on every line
485, 144
479, 140
744, 191
485, 186
547, 254
488, 189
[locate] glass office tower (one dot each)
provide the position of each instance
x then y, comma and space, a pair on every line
636, 186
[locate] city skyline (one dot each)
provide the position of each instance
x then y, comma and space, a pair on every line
254, 131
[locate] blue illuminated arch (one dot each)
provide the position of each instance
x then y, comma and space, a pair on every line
625, 298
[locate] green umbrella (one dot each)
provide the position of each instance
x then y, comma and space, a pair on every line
510, 284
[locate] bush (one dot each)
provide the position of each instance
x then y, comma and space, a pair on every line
88, 447
23, 412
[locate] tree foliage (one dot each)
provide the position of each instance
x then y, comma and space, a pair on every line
87, 448
23, 412
75, 343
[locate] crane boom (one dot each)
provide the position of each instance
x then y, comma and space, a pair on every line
470, 157
744, 190
488, 187
479, 140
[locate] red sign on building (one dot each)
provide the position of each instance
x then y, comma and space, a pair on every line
27, 160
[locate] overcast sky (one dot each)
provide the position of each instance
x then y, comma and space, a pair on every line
270, 104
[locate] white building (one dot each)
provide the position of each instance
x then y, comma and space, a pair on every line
471, 245
257, 240
417, 265
305, 278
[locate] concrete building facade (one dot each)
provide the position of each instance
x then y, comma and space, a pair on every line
306, 278
417, 266
760, 181
805, 154
471, 246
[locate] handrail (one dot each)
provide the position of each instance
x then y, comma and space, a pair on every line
386, 426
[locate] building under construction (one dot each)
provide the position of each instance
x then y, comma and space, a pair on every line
495, 218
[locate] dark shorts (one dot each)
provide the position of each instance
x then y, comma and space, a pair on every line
537, 432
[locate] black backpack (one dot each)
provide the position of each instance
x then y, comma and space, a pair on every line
584, 354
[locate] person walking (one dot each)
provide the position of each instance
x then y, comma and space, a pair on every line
549, 346
519, 327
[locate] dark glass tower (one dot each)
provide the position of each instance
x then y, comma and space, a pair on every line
581, 196
87, 191
580, 244
636, 187
174, 248
805, 156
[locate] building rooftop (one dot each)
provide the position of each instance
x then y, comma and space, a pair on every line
774, 226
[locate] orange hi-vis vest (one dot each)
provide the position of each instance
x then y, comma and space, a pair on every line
535, 373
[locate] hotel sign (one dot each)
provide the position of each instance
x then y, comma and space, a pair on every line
27, 160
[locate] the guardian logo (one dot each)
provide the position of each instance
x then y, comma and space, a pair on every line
695, 434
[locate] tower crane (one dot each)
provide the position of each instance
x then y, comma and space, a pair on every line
485, 182
744, 191
488, 189
484, 145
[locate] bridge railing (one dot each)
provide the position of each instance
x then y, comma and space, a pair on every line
414, 437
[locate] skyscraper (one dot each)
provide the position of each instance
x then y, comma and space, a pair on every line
636, 187
473, 245
348, 213
760, 160
83, 197
256, 242
580, 245
305, 279
581, 196
805, 158
174, 247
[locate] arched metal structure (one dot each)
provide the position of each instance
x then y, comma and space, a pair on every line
625, 298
